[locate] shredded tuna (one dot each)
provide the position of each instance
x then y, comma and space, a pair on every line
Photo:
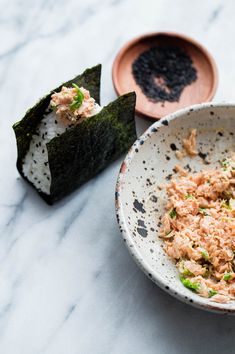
189, 146
190, 143
180, 170
198, 229
63, 103
180, 154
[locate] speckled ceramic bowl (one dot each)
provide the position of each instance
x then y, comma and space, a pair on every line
150, 162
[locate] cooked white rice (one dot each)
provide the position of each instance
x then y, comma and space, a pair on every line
35, 163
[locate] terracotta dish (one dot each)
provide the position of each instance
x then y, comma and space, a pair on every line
202, 90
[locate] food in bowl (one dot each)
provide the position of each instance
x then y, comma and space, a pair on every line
198, 229
141, 197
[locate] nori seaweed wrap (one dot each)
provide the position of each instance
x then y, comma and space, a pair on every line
82, 150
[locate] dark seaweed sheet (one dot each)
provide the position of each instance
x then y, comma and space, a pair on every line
90, 146
24, 129
85, 149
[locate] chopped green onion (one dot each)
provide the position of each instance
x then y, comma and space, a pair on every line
189, 196
205, 255
227, 276
168, 232
225, 163
54, 107
77, 102
207, 272
203, 211
183, 270
190, 285
226, 205
187, 272
77, 88
212, 292
172, 213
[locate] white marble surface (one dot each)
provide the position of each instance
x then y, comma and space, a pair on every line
67, 282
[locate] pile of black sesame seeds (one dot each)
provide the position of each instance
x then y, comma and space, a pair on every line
162, 72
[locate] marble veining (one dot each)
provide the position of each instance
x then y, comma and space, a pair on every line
67, 282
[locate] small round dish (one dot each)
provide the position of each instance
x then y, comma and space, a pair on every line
202, 90
149, 163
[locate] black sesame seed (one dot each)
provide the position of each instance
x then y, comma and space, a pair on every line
201, 155
162, 72
153, 198
173, 147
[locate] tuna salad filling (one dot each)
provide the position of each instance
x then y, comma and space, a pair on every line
68, 107
73, 104
198, 229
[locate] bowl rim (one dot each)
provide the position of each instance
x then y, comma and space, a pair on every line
134, 41
126, 235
